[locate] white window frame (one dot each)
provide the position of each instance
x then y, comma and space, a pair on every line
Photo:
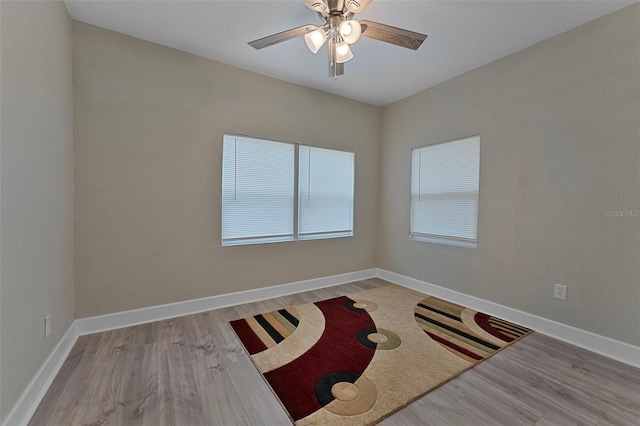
296, 202
437, 237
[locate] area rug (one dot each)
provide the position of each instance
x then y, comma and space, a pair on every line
356, 359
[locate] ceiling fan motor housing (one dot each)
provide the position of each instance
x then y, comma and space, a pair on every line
335, 5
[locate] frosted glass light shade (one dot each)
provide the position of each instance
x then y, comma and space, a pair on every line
315, 39
350, 31
343, 52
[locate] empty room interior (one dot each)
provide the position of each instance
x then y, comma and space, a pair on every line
319, 212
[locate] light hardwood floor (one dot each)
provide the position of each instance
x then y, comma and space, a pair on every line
192, 371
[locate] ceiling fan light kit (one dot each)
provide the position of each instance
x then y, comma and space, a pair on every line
350, 31
315, 39
343, 52
341, 31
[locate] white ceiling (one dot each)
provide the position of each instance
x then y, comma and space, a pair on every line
463, 35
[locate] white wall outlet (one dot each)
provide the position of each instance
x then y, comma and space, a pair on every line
560, 292
47, 326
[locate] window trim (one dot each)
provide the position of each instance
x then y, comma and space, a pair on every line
439, 238
295, 236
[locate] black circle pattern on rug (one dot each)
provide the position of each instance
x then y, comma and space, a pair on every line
349, 305
324, 385
391, 341
360, 305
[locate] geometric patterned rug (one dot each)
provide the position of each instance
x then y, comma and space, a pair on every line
357, 359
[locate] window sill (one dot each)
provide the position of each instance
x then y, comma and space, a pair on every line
437, 239
268, 240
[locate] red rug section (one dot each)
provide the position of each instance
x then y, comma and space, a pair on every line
251, 342
483, 321
337, 350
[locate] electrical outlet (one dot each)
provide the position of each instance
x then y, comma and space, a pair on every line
560, 292
47, 326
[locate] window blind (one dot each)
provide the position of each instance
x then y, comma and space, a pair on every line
257, 190
325, 192
444, 191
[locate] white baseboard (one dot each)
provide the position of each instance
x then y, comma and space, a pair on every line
615, 349
25, 407
28, 402
187, 307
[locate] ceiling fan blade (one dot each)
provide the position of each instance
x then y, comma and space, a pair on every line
387, 33
263, 42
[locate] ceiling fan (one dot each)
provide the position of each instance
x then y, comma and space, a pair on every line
341, 30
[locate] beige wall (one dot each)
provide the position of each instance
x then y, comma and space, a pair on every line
560, 145
149, 122
36, 175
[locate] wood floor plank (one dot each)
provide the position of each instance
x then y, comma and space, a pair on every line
64, 392
182, 405
520, 381
599, 387
596, 403
512, 409
97, 402
193, 371
139, 398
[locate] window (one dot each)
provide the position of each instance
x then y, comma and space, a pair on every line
278, 191
325, 192
257, 190
444, 192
